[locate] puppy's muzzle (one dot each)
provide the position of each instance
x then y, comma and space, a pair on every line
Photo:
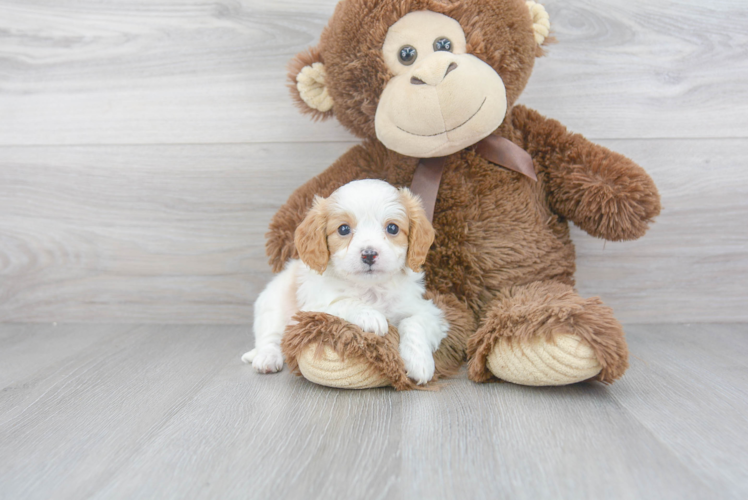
368, 256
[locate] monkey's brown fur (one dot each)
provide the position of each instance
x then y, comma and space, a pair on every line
502, 260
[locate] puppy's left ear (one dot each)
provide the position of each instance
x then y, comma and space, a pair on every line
421, 233
310, 237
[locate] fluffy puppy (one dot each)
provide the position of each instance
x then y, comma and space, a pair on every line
361, 254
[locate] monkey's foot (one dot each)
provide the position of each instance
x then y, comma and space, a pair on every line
330, 351
321, 364
566, 359
544, 333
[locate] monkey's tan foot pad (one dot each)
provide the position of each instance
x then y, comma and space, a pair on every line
330, 369
329, 351
561, 360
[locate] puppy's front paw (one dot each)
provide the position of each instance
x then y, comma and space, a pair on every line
247, 357
419, 362
371, 321
268, 359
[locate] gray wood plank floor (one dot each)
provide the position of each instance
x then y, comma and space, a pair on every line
119, 411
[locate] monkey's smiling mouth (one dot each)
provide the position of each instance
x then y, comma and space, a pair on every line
450, 130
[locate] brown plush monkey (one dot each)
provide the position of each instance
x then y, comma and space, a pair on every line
438, 80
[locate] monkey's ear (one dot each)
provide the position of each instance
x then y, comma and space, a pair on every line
541, 24
310, 237
306, 74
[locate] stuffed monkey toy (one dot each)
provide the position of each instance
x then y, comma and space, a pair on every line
431, 87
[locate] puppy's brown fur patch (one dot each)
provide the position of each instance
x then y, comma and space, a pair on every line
335, 241
420, 231
310, 237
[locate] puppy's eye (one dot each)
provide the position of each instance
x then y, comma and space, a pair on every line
344, 230
407, 55
393, 229
442, 43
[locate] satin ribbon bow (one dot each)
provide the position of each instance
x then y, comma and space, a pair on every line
498, 150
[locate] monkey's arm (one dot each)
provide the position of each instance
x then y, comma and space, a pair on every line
279, 246
602, 192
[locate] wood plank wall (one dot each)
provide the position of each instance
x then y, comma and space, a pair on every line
145, 144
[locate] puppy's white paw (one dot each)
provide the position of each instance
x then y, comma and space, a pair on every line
268, 359
247, 357
371, 321
419, 362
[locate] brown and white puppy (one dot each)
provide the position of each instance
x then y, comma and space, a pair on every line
361, 254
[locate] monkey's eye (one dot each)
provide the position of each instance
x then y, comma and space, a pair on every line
393, 229
442, 43
344, 230
407, 55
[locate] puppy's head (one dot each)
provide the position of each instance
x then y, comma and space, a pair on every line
365, 231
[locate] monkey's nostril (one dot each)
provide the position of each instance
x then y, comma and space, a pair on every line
369, 256
450, 68
417, 81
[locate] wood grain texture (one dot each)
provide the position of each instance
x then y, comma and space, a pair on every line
502, 438
170, 412
45, 345
164, 221
165, 234
174, 234
702, 383
693, 263
101, 405
214, 72
144, 146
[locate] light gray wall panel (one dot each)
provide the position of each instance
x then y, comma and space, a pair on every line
176, 233
145, 145
202, 72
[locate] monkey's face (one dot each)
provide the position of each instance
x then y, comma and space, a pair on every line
425, 77
441, 99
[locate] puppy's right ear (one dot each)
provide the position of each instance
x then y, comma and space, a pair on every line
310, 237
306, 74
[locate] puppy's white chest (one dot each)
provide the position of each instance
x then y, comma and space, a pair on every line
387, 300
372, 296
378, 298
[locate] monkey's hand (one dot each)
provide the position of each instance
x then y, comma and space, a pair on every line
601, 191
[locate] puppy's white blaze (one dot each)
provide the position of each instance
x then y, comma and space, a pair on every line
371, 197
392, 294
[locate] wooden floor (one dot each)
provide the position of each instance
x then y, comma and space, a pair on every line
102, 411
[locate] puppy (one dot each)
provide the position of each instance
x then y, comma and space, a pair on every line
361, 254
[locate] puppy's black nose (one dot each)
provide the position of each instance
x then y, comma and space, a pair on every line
369, 256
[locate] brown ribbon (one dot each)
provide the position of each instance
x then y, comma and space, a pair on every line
495, 149
507, 154
426, 181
